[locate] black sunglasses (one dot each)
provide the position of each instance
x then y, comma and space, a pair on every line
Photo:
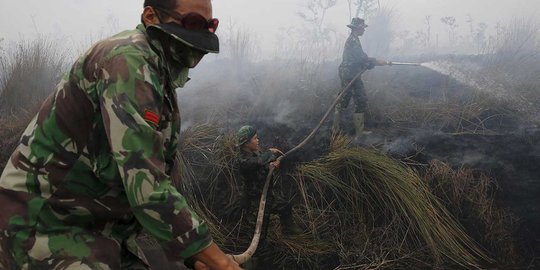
193, 21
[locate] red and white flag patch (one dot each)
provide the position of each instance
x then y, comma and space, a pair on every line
151, 117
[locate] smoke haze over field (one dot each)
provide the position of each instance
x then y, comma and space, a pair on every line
471, 99
78, 23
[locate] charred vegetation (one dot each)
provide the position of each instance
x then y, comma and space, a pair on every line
449, 179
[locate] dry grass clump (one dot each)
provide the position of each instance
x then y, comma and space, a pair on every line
30, 73
368, 191
360, 210
470, 197
27, 76
207, 176
12, 126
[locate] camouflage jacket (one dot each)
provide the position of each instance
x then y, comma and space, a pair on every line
253, 168
100, 152
354, 58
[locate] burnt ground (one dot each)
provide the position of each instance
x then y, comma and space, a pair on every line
511, 159
509, 150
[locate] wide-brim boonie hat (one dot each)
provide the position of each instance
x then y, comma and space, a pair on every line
357, 23
199, 39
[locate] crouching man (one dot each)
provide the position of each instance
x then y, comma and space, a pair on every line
254, 166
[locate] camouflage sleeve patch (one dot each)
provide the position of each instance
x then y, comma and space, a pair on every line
129, 90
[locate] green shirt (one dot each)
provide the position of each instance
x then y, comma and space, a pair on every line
354, 57
99, 154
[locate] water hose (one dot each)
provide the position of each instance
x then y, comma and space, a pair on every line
244, 257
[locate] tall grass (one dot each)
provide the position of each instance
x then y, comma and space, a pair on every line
470, 196
11, 128
514, 62
380, 34
517, 44
369, 191
29, 73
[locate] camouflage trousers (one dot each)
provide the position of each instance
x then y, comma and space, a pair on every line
246, 204
69, 248
278, 200
357, 92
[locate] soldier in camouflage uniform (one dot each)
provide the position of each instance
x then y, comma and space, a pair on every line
355, 61
254, 166
93, 169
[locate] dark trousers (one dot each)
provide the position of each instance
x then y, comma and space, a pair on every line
356, 91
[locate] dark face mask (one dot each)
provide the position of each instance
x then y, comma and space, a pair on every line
178, 51
184, 55
178, 58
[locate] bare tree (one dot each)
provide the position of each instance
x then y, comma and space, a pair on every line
470, 21
421, 38
499, 31
480, 38
317, 38
366, 8
316, 12
428, 30
450, 21
350, 8
377, 41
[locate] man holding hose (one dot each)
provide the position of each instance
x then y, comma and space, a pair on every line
254, 166
355, 61
94, 169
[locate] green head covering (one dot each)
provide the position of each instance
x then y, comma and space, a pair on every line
245, 134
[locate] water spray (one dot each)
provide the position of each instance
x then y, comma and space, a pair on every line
404, 64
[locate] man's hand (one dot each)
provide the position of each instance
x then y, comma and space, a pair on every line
276, 151
212, 258
275, 164
381, 62
200, 266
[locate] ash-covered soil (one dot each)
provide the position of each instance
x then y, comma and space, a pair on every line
418, 114
512, 160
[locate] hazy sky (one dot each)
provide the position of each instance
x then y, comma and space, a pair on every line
79, 22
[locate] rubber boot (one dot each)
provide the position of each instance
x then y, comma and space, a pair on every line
288, 226
358, 120
337, 120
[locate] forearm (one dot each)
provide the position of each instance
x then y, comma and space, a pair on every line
168, 218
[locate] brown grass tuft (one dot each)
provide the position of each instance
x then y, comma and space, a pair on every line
470, 197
